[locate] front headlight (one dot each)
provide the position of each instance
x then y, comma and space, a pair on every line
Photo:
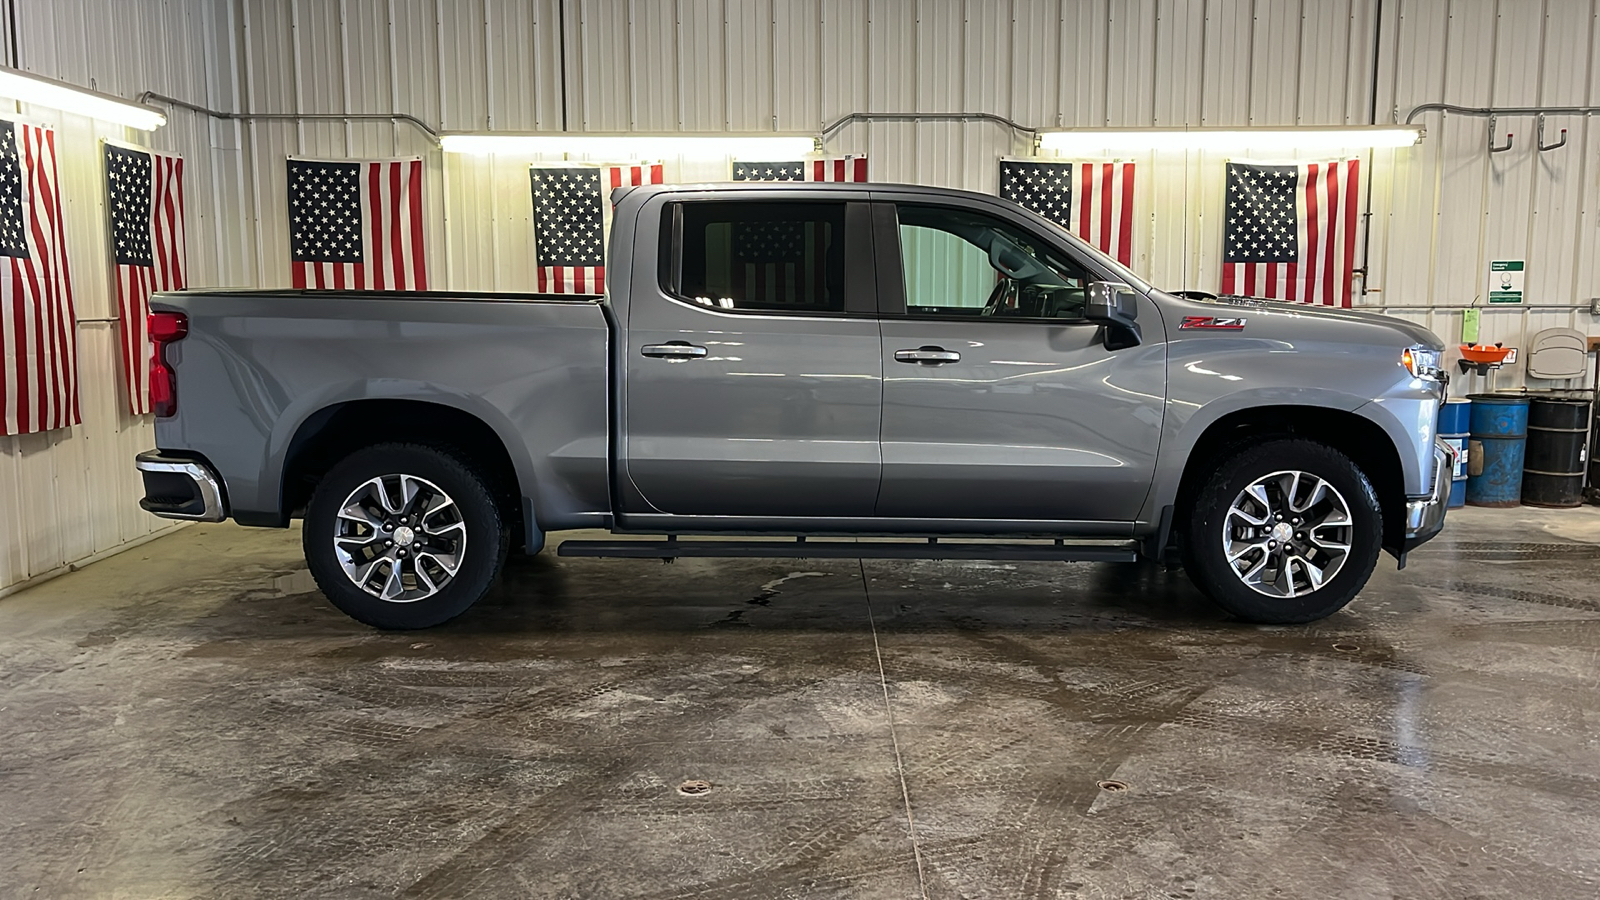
1423, 362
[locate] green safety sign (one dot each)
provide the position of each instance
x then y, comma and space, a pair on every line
1505, 281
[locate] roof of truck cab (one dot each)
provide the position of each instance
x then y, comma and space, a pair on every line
841, 186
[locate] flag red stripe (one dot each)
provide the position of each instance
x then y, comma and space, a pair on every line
1125, 225
419, 259
391, 212
1105, 206
1350, 213
66, 318
19, 341
42, 285
59, 399
1330, 282
372, 210
1080, 185
1308, 239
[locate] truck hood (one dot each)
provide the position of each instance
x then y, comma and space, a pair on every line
1308, 316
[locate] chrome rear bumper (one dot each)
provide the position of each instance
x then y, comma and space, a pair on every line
177, 488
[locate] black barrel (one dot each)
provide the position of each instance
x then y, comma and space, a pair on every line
1554, 471
1594, 460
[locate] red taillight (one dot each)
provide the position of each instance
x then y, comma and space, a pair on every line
165, 328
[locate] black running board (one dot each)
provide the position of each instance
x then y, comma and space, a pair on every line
802, 548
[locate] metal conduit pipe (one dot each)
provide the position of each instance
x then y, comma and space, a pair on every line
926, 117
1501, 110
420, 125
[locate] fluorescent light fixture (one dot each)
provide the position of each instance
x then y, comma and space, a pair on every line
29, 88
1102, 140
772, 147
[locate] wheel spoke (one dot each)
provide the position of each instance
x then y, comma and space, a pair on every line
449, 562
363, 572
1237, 549
1317, 493
1329, 546
441, 531
1253, 574
409, 488
356, 512
424, 582
392, 585
1313, 573
1285, 579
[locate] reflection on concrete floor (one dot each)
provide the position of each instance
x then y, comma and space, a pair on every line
191, 719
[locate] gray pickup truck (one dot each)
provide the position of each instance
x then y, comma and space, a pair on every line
790, 369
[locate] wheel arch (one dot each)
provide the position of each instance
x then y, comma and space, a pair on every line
1364, 441
335, 431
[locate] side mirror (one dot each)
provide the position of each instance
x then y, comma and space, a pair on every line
1114, 306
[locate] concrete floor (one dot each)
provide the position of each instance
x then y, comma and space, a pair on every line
189, 719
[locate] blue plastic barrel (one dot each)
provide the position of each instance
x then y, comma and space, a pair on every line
1454, 425
1495, 448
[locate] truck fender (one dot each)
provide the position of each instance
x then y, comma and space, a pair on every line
304, 407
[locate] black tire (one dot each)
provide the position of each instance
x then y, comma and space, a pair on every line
1205, 555
486, 539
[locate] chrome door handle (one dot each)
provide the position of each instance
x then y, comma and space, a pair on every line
928, 356
677, 351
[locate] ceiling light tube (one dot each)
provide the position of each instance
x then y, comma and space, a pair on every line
774, 147
28, 88
1106, 140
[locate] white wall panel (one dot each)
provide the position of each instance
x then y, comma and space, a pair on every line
71, 494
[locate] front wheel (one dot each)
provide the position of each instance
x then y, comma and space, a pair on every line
1284, 532
403, 536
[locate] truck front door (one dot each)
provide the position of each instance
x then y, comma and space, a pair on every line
1000, 400
753, 368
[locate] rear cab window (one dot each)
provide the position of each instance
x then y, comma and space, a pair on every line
758, 256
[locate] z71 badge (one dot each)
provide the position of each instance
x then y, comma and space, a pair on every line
1213, 323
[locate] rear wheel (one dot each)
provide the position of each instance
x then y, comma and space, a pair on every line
1284, 532
403, 536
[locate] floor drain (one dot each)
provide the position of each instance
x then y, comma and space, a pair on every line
1112, 786
1346, 648
694, 788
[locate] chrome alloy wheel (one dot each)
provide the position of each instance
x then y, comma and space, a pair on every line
399, 538
1287, 534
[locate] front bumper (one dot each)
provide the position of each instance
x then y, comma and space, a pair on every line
177, 488
1425, 517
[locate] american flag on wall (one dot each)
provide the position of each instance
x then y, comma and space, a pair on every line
144, 197
1093, 200
38, 336
356, 225
833, 168
1290, 233
571, 220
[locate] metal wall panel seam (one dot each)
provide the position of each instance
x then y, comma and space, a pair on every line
248, 40
488, 66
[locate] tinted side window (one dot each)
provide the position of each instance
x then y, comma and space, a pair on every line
960, 263
782, 257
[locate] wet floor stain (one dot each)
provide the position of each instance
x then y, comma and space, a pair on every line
200, 723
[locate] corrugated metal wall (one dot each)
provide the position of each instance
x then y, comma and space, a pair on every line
71, 494
1440, 211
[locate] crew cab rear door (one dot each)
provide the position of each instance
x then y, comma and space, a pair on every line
753, 372
1001, 402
